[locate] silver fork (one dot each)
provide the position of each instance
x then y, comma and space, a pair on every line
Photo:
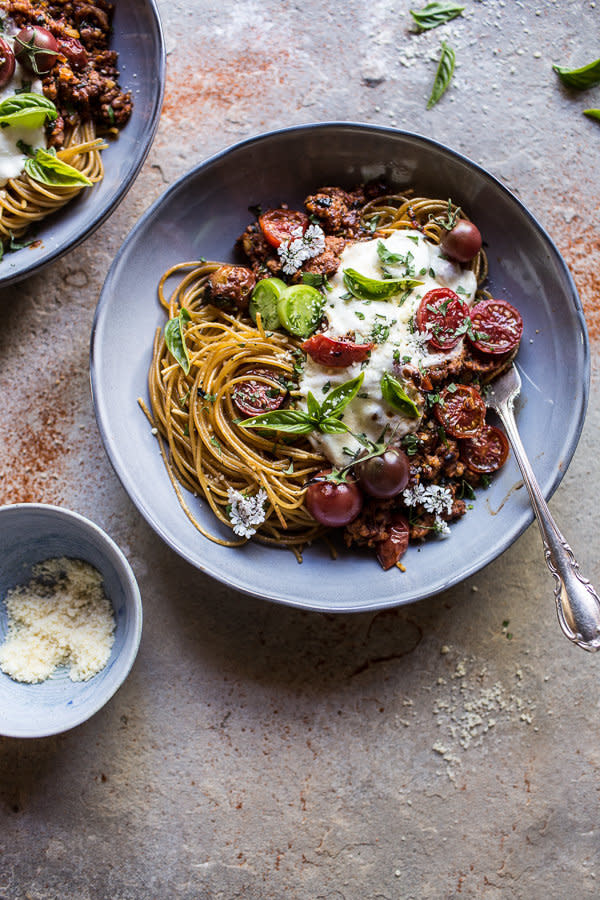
577, 603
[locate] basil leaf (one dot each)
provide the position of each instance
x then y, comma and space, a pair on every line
332, 426
373, 289
175, 339
387, 257
338, 399
27, 111
592, 113
314, 407
580, 79
294, 421
393, 393
434, 14
47, 168
443, 75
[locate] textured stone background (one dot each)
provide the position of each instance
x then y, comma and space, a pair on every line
262, 752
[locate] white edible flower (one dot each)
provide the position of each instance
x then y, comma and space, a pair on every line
433, 498
441, 527
303, 246
246, 513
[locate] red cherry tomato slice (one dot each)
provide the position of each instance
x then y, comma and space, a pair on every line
442, 312
279, 225
391, 549
461, 411
333, 503
330, 352
253, 397
487, 451
497, 327
7, 62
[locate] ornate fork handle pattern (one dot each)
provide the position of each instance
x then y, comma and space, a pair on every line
577, 603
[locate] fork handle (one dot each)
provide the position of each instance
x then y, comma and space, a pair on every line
577, 603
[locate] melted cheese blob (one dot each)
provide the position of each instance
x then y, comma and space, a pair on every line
390, 325
12, 159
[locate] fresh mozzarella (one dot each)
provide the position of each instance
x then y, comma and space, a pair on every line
390, 324
12, 158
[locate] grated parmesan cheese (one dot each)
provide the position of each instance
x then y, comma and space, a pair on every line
61, 617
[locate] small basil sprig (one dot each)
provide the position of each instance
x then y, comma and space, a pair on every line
365, 288
434, 14
324, 417
175, 338
47, 168
27, 110
580, 79
393, 392
443, 75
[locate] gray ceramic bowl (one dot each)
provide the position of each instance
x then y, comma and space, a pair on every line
202, 215
31, 533
138, 39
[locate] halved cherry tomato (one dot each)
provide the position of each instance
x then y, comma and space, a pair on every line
393, 547
442, 312
7, 62
461, 411
497, 327
487, 451
333, 503
253, 397
279, 225
330, 352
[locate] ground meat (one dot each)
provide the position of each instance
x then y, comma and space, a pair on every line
337, 211
485, 368
262, 257
372, 525
83, 84
328, 262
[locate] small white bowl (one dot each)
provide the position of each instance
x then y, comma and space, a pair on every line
31, 533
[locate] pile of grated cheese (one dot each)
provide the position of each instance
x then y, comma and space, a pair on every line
61, 617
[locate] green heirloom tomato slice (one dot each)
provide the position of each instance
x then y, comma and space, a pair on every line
264, 301
300, 307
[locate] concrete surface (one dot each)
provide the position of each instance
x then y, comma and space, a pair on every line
263, 752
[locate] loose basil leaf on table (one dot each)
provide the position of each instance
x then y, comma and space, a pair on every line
582, 78
175, 339
434, 14
47, 168
443, 75
27, 110
592, 113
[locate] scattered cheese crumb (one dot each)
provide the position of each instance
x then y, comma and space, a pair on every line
61, 617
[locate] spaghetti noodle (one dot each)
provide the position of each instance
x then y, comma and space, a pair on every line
23, 200
195, 398
196, 415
